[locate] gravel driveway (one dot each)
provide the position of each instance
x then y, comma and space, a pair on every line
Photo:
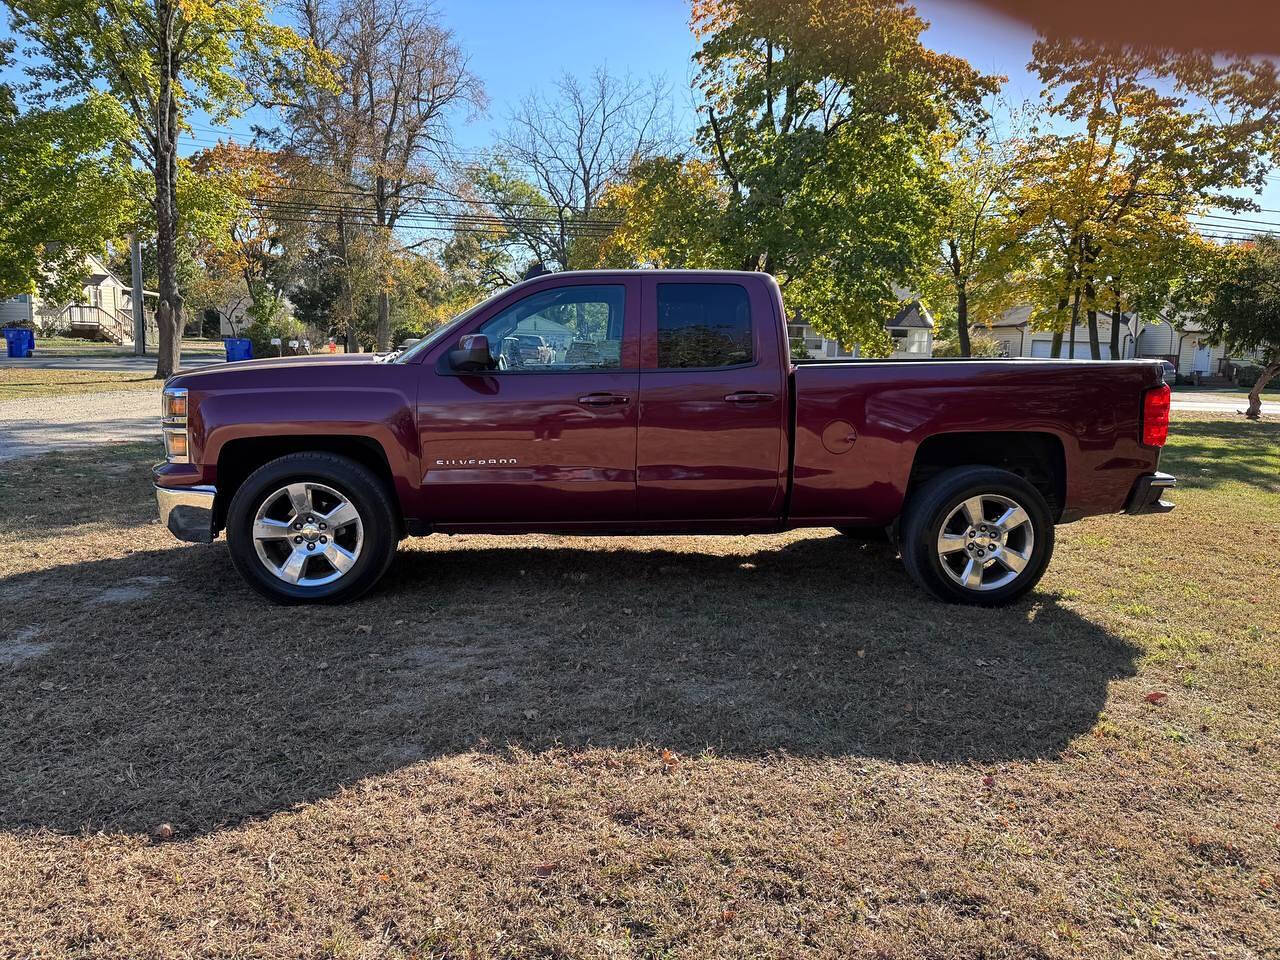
35, 425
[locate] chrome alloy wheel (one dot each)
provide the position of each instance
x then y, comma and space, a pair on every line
986, 542
307, 534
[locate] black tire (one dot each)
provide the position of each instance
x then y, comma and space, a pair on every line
937, 508
360, 486
864, 534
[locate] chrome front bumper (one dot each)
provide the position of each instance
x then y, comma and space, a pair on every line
187, 512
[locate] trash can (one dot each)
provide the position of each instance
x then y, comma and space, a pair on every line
238, 348
19, 341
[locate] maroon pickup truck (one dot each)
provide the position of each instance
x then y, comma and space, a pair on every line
655, 402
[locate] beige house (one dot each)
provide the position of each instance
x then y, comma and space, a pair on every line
1013, 331
104, 311
1183, 342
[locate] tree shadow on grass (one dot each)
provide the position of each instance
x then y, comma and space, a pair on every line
1203, 454
192, 701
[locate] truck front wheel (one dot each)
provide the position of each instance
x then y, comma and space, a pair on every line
311, 528
977, 535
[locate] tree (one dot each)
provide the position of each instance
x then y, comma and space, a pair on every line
670, 213
1142, 139
256, 246
384, 133
823, 117
561, 153
162, 60
64, 192
984, 252
1244, 313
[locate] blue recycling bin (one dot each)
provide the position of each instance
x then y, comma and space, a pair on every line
238, 348
20, 341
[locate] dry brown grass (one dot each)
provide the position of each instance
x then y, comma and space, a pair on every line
17, 382
554, 747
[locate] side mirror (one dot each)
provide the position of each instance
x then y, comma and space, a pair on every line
472, 353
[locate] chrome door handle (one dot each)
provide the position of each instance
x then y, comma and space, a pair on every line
604, 400
748, 397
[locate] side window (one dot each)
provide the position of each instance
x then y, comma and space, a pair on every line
703, 325
567, 328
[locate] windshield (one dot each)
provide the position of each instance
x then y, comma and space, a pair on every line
441, 333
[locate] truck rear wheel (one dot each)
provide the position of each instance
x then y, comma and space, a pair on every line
977, 535
311, 528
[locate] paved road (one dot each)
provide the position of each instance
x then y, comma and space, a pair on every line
34, 425
145, 364
1207, 403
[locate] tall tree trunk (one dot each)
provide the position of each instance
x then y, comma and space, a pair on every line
1095, 341
1255, 395
383, 332
1075, 322
1117, 318
1091, 314
962, 322
346, 298
1055, 350
169, 309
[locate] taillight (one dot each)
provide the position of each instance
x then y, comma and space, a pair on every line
1155, 416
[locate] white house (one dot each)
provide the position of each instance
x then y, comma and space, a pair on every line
911, 329
1184, 345
1182, 342
104, 311
1013, 330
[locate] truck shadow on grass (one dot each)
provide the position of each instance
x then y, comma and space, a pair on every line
198, 704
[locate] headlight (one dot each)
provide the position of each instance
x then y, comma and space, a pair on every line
175, 445
173, 406
173, 418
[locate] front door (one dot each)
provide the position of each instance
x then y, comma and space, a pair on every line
549, 436
713, 404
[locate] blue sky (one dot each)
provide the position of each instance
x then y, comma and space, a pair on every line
516, 46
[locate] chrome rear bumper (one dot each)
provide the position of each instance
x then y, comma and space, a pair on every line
187, 512
1147, 492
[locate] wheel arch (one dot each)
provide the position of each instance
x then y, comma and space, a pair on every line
240, 457
1038, 457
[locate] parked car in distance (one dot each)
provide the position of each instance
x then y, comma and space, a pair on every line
675, 409
1170, 372
526, 350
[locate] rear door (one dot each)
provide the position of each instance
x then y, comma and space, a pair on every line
713, 402
550, 436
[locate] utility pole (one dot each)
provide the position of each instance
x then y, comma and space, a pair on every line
139, 318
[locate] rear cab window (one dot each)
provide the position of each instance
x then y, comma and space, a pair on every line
704, 325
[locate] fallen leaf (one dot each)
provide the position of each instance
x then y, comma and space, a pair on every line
862, 652
545, 869
163, 831
364, 628
1156, 697
531, 714
669, 758
988, 781
47, 685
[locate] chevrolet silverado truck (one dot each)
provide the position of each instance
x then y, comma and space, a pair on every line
657, 402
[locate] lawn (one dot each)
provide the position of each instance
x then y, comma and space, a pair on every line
75, 347
678, 747
19, 382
